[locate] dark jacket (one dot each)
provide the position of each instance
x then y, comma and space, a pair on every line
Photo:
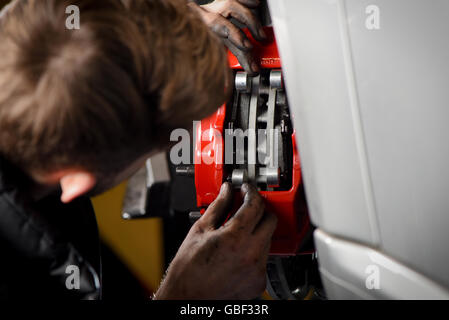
43, 243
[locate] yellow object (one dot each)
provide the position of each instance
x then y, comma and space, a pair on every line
266, 296
138, 243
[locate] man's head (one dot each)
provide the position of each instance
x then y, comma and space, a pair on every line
82, 106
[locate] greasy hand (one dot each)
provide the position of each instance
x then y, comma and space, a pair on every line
217, 14
223, 262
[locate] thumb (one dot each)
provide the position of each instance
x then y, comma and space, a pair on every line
218, 210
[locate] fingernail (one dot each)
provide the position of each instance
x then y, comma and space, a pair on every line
247, 44
224, 187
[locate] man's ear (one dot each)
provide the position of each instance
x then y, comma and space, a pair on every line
76, 184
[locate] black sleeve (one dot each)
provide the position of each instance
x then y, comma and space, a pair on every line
42, 244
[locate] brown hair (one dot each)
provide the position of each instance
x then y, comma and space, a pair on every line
100, 96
